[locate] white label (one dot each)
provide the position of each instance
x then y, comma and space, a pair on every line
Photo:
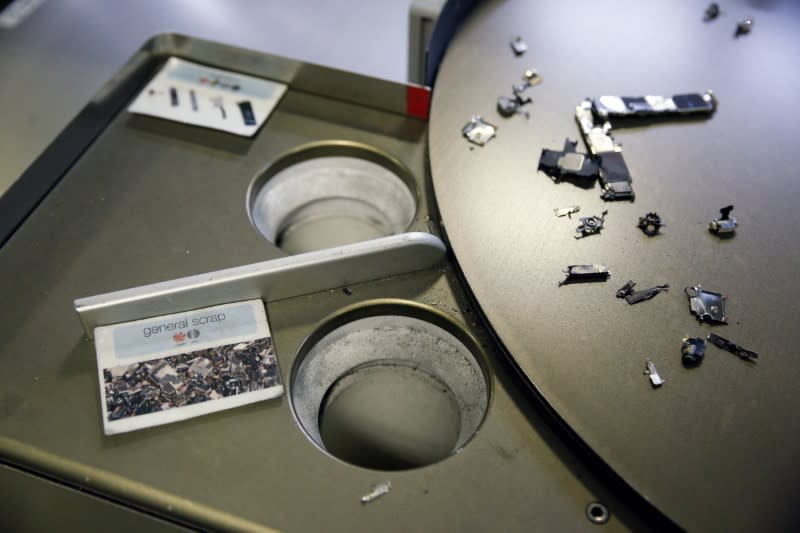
170, 368
203, 96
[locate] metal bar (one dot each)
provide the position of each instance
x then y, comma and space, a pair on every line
269, 280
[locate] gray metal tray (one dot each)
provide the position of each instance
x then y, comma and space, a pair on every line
121, 201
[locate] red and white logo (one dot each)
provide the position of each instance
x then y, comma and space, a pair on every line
179, 337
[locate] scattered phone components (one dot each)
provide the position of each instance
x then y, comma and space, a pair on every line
692, 351
567, 211
173, 96
478, 131
605, 160
707, 305
633, 297
650, 224
743, 27
732, 347
518, 46
590, 225
508, 106
725, 224
246, 109
650, 370
585, 273
712, 11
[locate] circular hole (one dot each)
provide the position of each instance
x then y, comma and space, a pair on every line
328, 194
389, 417
390, 386
597, 513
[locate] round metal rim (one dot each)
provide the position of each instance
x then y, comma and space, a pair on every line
332, 148
390, 306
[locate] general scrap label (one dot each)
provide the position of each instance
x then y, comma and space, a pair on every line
170, 368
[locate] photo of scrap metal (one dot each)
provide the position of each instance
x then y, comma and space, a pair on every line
190, 378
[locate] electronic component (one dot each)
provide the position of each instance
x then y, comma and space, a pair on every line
604, 160
590, 225
173, 96
634, 297
478, 131
725, 224
692, 351
585, 273
732, 347
650, 224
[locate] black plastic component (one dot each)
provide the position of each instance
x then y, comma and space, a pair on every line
615, 177
650, 224
712, 11
247, 113
568, 162
610, 167
693, 351
732, 347
173, 96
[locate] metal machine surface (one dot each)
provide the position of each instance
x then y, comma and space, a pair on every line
715, 447
122, 201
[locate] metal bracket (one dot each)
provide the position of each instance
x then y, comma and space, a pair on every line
269, 280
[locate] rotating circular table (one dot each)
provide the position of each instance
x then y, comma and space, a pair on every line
718, 445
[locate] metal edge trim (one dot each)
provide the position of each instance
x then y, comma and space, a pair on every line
272, 280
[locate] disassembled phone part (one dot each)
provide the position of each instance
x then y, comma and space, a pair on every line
707, 304
518, 46
650, 370
585, 273
634, 297
650, 224
246, 108
725, 224
744, 27
693, 351
590, 225
732, 347
507, 106
712, 11
567, 211
478, 131
605, 153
